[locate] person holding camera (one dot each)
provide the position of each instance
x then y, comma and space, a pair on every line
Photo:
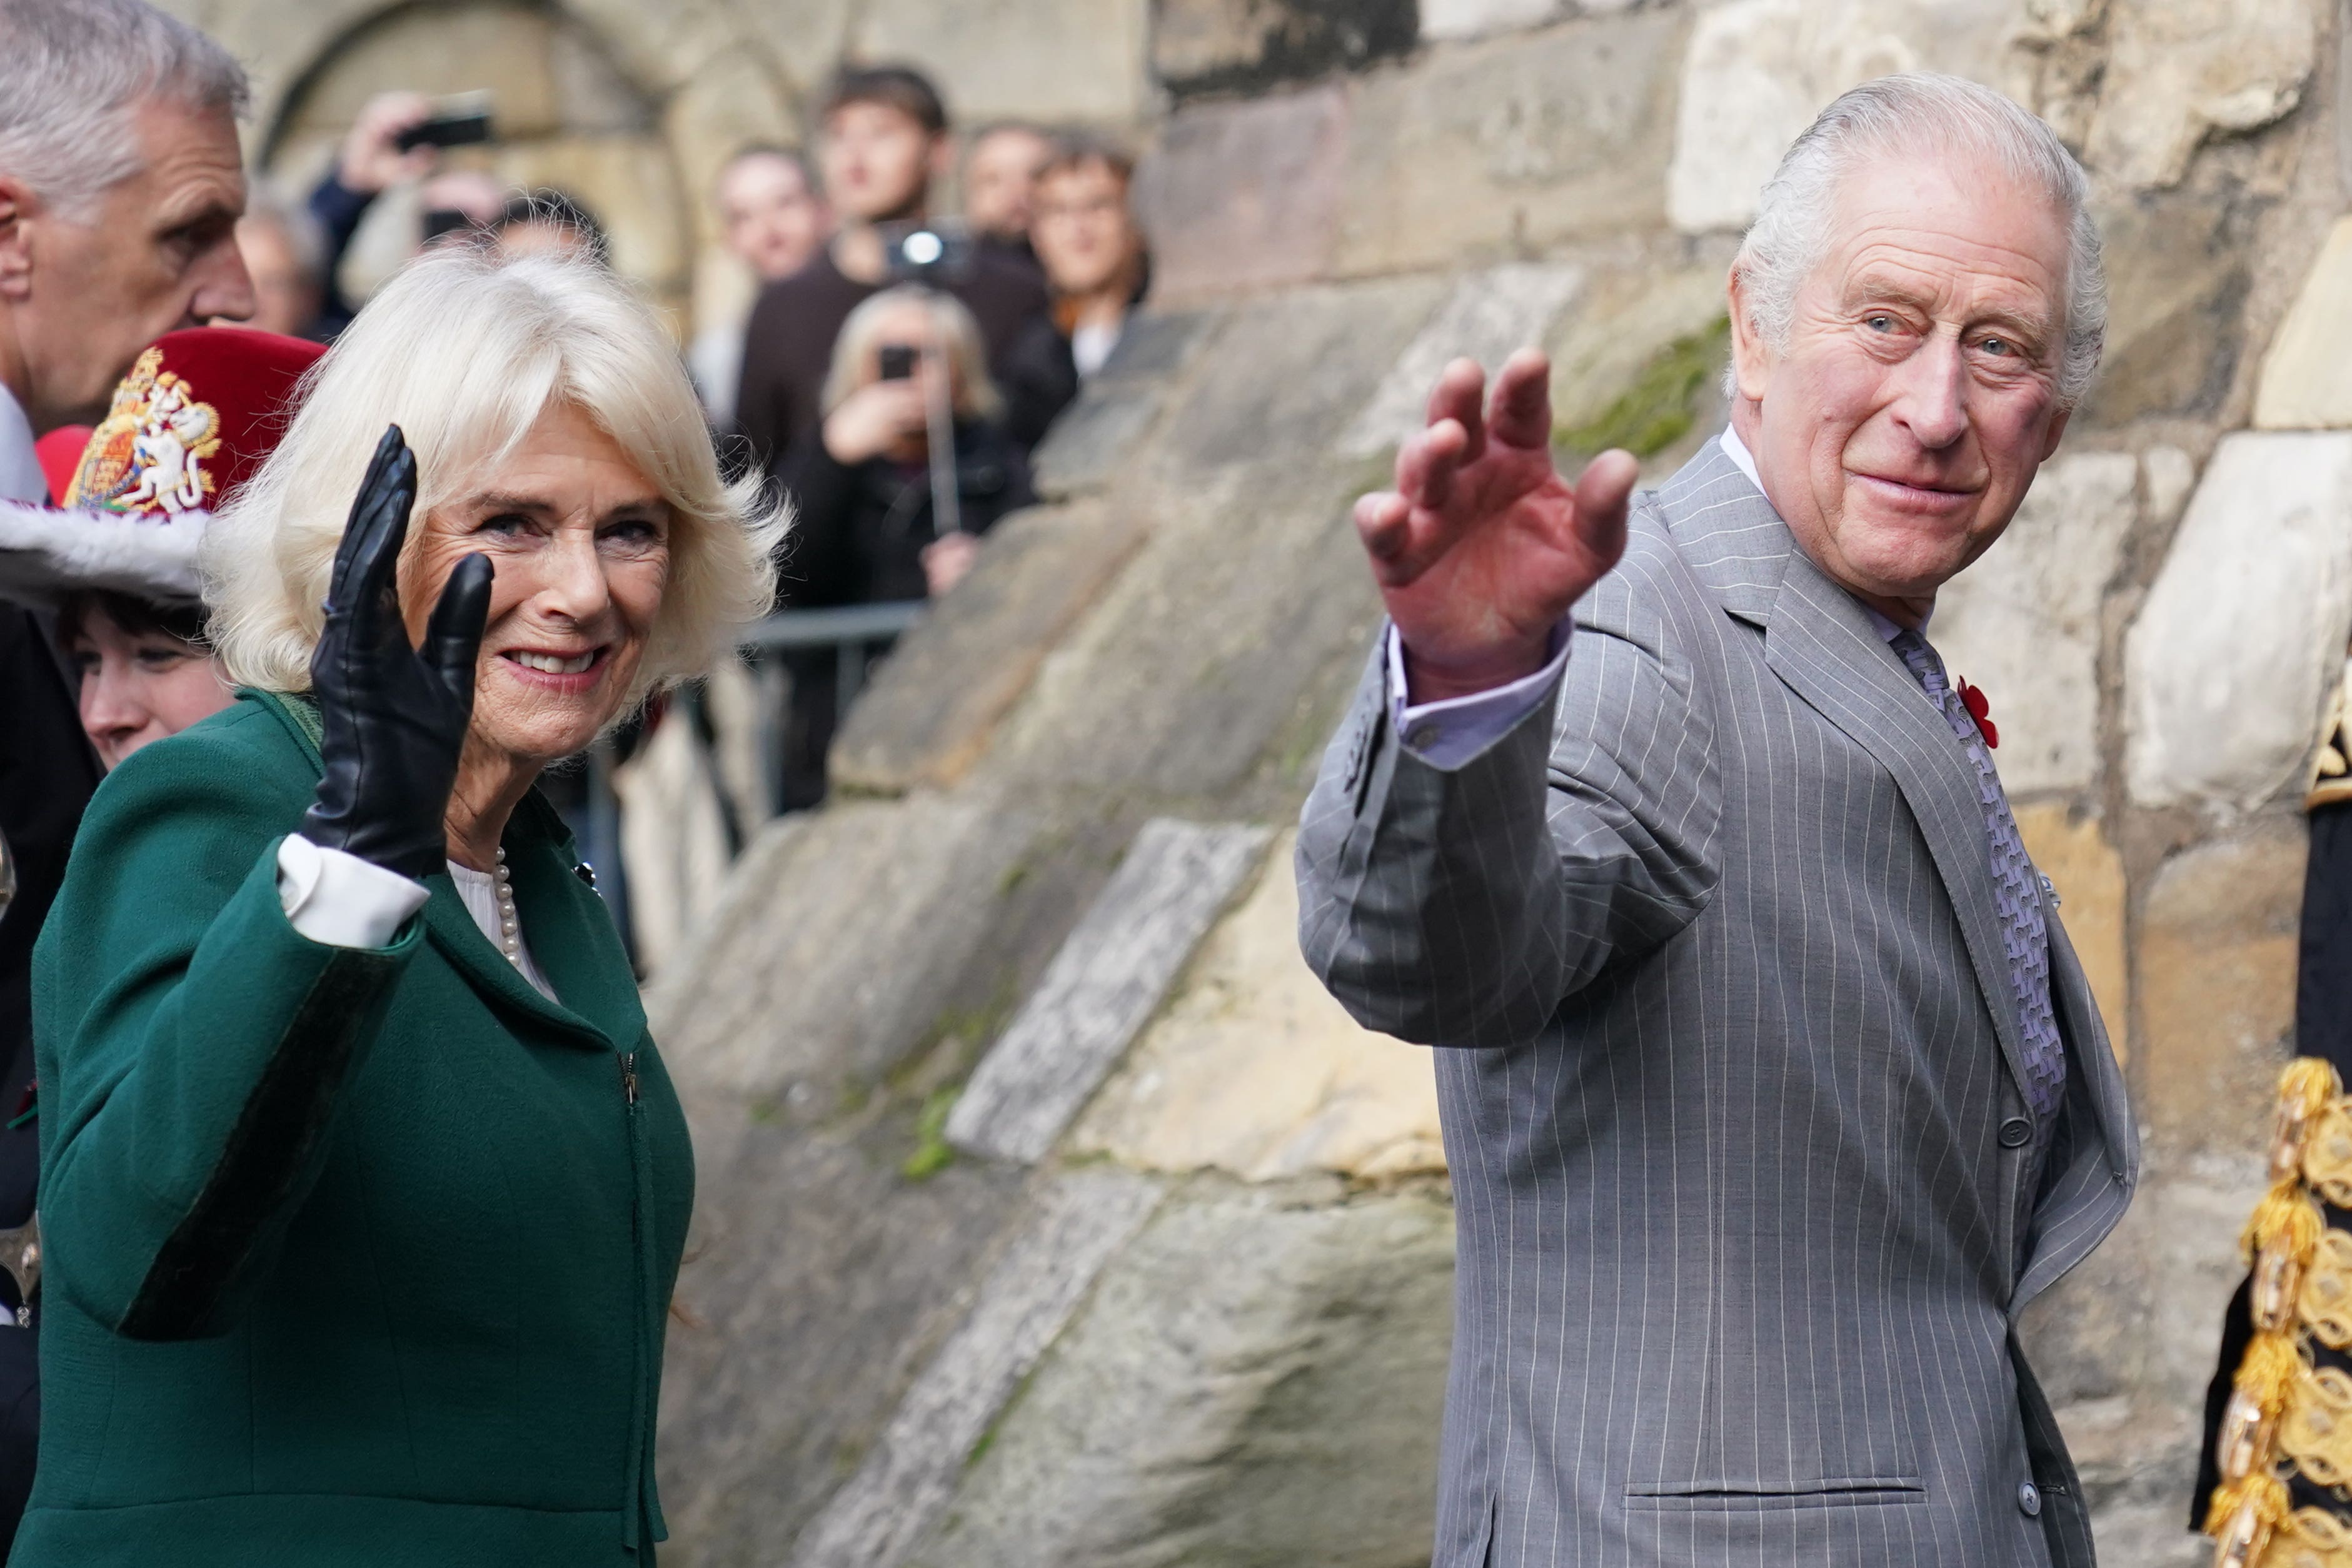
884, 513
885, 141
397, 139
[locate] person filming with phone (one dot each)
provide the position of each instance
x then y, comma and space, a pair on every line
910, 467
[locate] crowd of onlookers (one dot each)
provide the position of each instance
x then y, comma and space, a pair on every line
899, 363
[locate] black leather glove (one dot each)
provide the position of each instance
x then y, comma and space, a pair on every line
393, 718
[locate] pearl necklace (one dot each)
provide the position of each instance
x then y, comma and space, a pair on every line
510, 928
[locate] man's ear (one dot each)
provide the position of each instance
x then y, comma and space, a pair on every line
18, 206
2057, 434
1752, 360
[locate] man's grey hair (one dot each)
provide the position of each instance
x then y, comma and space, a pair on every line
1919, 113
73, 75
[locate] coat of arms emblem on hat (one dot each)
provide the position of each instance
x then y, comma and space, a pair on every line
148, 454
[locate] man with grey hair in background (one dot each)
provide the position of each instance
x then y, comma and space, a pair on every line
121, 185
1773, 1092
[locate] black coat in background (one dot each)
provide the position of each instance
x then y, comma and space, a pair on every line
46, 774
858, 535
787, 344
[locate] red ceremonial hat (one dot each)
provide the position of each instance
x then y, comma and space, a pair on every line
195, 418
60, 452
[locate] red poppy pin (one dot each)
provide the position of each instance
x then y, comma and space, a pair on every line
1973, 698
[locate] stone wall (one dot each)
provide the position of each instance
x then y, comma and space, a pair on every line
1050, 1212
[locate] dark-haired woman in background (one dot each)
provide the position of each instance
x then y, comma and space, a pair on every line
144, 670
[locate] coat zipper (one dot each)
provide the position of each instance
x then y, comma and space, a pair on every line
639, 1522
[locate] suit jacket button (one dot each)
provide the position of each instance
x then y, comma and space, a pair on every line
2016, 1132
2028, 1500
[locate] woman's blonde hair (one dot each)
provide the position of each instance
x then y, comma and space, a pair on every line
958, 332
464, 351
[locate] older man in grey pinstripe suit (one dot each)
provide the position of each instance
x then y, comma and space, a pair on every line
1775, 1091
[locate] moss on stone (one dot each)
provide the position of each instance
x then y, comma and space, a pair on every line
1660, 406
934, 1153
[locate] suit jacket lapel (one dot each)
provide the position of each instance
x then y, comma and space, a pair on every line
1822, 645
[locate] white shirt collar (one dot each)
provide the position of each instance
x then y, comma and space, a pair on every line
20, 464
1741, 458
1745, 461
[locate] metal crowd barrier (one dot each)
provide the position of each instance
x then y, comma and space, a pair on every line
859, 633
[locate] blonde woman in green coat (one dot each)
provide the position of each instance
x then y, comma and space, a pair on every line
362, 1187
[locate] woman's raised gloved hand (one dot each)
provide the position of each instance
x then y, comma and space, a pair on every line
392, 717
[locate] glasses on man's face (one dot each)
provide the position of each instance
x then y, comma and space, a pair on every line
1094, 206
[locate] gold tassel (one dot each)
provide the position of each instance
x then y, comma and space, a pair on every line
2284, 1220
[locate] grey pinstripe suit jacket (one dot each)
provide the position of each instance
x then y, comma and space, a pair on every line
1738, 1272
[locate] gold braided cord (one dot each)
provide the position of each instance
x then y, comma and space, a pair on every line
2287, 1415
2311, 1538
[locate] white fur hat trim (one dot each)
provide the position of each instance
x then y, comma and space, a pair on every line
46, 552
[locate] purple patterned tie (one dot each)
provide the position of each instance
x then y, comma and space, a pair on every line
2023, 932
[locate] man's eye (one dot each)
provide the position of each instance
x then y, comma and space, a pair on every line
1879, 324
1999, 346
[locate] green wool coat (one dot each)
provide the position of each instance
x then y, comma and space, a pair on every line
353, 1257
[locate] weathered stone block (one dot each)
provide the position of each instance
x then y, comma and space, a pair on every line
1030, 59
1759, 71
935, 702
2179, 70
786, 999
1296, 373
815, 1285
1255, 1070
2023, 621
1095, 435
1511, 144
1257, 1381
1196, 659
1490, 314
1244, 194
2306, 383
2217, 964
1251, 46
2073, 853
1451, 19
912, 1471
1106, 980
2244, 629
2176, 277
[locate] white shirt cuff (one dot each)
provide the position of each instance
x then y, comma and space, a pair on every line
340, 900
1448, 733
